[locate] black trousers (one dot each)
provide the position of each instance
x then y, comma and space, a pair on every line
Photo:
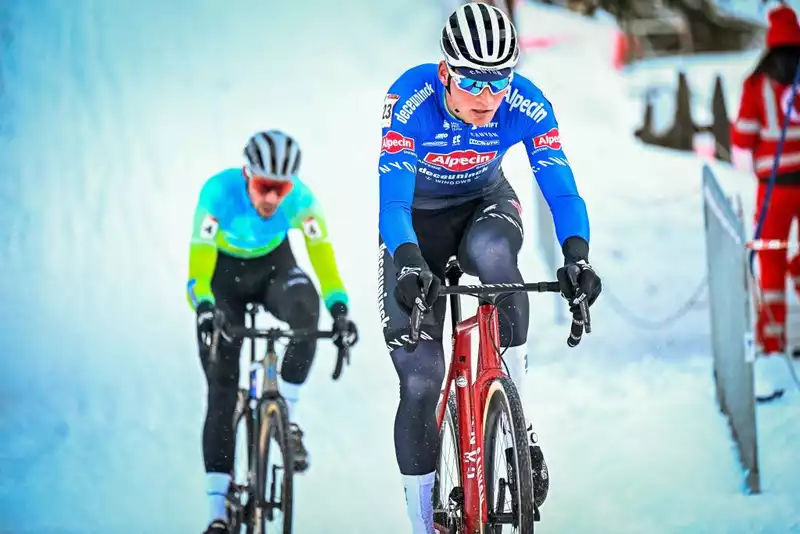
287, 293
486, 236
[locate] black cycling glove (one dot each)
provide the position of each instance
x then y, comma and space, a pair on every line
576, 279
345, 333
207, 315
414, 279
205, 323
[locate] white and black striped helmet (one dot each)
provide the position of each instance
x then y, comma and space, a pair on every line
480, 37
273, 154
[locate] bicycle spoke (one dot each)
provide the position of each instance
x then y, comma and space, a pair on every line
448, 493
505, 507
274, 486
238, 499
449, 476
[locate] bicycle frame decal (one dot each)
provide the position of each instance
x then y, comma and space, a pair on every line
254, 389
470, 398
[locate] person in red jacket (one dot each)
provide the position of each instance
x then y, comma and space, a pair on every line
767, 99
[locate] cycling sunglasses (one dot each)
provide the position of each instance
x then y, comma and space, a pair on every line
264, 185
475, 87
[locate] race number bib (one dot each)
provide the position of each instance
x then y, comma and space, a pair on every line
388, 109
311, 228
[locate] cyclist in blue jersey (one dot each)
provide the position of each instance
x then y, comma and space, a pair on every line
239, 254
445, 130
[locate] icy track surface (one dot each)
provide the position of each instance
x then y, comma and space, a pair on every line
111, 117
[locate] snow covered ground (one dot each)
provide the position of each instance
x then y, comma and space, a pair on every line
112, 116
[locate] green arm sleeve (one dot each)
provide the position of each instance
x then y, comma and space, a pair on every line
202, 257
320, 251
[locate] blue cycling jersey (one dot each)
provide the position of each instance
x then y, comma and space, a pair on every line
430, 159
243, 232
226, 221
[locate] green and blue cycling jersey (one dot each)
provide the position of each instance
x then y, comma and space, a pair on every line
225, 221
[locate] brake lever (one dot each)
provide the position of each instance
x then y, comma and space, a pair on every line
573, 271
577, 329
343, 353
587, 322
219, 320
415, 324
219, 326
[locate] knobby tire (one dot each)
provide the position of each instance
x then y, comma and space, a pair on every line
274, 425
241, 415
502, 398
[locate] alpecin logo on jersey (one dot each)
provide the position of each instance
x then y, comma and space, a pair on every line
460, 160
551, 139
534, 110
394, 142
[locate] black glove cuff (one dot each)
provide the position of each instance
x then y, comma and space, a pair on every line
408, 254
575, 248
338, 309
204, 306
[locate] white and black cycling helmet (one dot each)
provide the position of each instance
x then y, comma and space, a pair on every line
272, 154
480, 41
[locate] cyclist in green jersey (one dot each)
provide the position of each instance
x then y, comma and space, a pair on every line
239, 254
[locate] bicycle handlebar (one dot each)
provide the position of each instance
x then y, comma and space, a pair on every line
274, 334
578, 326
484, 290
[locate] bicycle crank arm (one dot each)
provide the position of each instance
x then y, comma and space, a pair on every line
270, 506
507, 518
503, 518
501, 493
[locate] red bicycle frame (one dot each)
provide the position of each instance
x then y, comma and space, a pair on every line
471, 389
471, 398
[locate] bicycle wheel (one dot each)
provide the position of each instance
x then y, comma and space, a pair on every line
274, 478
507, 452
448, 493
238, 503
